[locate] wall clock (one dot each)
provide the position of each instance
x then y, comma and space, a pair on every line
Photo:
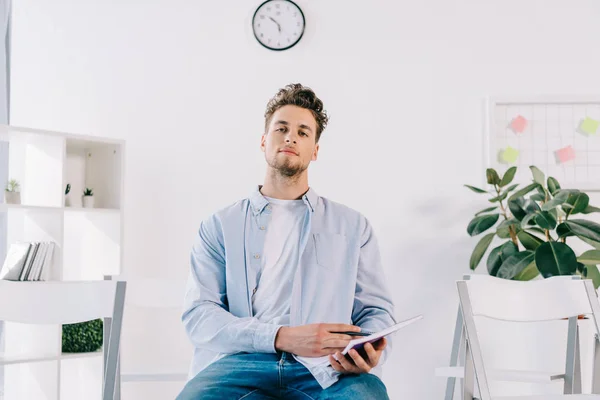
278, 24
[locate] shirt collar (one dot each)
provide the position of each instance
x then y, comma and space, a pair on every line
258, 201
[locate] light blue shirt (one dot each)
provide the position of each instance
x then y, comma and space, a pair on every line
339, 279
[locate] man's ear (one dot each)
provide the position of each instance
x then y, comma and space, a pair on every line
315, 153
263, 138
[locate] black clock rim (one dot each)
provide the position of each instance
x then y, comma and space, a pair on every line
284, 48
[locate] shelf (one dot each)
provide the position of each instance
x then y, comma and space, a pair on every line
5, 207
33, 358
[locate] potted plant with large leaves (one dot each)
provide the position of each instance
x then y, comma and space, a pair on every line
537, 223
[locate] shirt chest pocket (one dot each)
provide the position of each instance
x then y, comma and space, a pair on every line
330, 249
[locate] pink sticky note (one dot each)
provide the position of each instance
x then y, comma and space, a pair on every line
565, 154
518, 124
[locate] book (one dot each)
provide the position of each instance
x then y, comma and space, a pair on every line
30, 260
358, 343
15, 260
44, 273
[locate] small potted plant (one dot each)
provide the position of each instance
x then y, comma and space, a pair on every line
12, 194
88, 198
67, 197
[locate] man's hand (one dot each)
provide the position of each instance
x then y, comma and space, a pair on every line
314, 340
359, 364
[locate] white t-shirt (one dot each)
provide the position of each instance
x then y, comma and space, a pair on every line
271, 301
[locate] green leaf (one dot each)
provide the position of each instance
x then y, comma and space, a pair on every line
494, 260
591, 272
545, 220
529, 241
503, 233
498, 255
517, 207
590, 257
480, 250
492, 176
580, 228
524, 191
482, 223
525, 223
509, 222
508, 176
530, 272
510, 188
515, 264
538, 176
553, 185
498, 198
537, 197
590, 209
487, 210
476, 190
509, 249
579, 201
555, 258
556, 201
595, 245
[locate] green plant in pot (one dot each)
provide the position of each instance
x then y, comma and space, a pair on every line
537, 223
82, 337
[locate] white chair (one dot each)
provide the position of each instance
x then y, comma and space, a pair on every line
534, 301
571, 377
66, 302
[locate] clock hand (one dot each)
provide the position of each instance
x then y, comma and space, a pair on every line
278, 26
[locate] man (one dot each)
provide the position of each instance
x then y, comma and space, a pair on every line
277, 278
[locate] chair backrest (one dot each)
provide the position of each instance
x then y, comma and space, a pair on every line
56, 302
542, 300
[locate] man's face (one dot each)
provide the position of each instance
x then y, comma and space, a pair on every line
290, 141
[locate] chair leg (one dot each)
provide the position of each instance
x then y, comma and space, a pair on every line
569, 384
469, 378
454, 356
596, 371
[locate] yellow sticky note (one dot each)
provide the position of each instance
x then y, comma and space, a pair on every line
589, 126
510, 155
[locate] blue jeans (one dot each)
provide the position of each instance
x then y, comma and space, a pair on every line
253, 376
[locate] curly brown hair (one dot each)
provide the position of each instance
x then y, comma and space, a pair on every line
298, 95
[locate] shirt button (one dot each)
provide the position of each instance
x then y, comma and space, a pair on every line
262, 228
257, 256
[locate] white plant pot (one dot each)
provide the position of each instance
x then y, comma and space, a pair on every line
88, 201
68, 201
12, 197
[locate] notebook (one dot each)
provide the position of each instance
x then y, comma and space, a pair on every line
358, 343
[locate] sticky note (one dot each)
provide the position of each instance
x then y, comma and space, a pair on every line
510, 155
565, 154
589, 126
518, 124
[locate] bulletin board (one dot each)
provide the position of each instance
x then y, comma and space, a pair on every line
559, 135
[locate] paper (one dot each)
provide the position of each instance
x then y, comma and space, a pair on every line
518, 124
565, 154
510, 155
358, 343
589, 126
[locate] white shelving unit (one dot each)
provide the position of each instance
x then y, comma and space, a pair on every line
89, 245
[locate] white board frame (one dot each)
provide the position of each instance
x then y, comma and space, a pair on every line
489, 122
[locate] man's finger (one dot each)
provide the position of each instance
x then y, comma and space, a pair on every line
339, 344
359, 361
345, 363
372, 354
335, 364
341, 328
380, 344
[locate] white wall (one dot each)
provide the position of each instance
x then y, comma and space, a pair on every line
185, 83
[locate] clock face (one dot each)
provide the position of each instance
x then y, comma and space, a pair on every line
278, 24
